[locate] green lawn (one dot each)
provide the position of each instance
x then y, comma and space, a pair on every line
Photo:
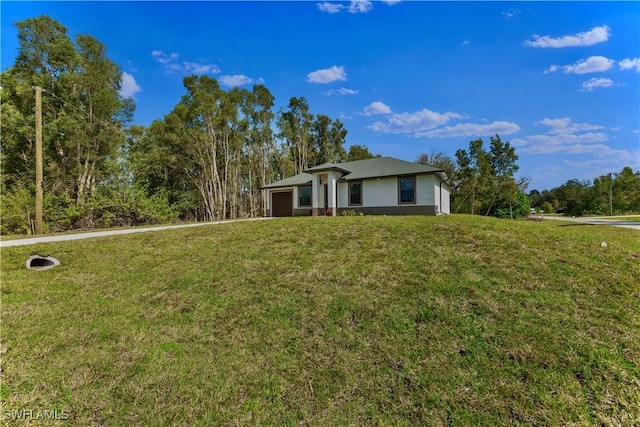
451, 320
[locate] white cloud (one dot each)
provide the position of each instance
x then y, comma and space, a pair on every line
472, 130
360, 6
376, 107
341, 91
565, 136
630, 63
129, 86
171, 64
511, 13
327, 75
419, 121
330, 7
163, 58
566, 126
593, 83
238, 80
355, 6
465, 43
586, 38
593, 64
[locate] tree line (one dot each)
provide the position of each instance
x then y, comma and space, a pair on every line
208, 158
612, 194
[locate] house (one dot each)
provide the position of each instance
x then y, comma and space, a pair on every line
378, 186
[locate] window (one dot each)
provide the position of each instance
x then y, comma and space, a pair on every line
304, 196
407, 187
355, 193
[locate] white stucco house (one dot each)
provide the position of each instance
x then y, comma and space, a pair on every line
378, 186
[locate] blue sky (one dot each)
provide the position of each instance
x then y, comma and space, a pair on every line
560, 81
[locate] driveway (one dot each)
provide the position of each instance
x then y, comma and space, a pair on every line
65, 237
614, 221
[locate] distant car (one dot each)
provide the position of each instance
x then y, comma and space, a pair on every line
560, 211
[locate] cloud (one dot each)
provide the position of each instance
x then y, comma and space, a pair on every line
472, 130
567, 126
330, 7
593, 64
465, 43
341, 91
589, 85
129, 86
376, 107
586, 38
360, 6
630, 63
327, 75
511, 13
238, 80
411, 123
355, 6
171, 64
565, 136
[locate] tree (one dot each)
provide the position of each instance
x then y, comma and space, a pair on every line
360, 152
502, 160
84, 115
295, 126
328, 140
485, 179
473, 172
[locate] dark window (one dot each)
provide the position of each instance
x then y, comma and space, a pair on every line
355, 193
304, 196
407, 188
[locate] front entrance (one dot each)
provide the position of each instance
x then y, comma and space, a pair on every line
326, 197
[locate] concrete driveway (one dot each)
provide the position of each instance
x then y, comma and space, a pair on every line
614, 221
65, 237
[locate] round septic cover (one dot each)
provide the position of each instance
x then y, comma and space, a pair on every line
38, 262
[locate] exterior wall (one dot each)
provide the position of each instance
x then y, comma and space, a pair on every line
426, 191
297, 209
446, 199
379, 196
384, 192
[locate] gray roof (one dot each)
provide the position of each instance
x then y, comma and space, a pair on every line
292, 181
360, 169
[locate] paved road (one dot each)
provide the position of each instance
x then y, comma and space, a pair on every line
65, 237
616, 222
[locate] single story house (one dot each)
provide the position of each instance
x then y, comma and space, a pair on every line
378, 186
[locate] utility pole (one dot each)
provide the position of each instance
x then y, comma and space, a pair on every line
610, 194
39, 174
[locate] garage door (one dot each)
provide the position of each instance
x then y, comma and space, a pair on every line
282, 203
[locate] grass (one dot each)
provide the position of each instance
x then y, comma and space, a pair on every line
452, 320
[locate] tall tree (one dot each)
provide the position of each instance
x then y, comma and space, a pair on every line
295, 129
502, 161
328, 140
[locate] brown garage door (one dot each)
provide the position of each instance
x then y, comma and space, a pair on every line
282, 203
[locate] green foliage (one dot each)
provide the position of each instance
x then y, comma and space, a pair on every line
359, 152
485, 179
350, 212
616, 193
17, 210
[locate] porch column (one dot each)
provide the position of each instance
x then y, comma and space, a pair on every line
316, 202
331, 193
